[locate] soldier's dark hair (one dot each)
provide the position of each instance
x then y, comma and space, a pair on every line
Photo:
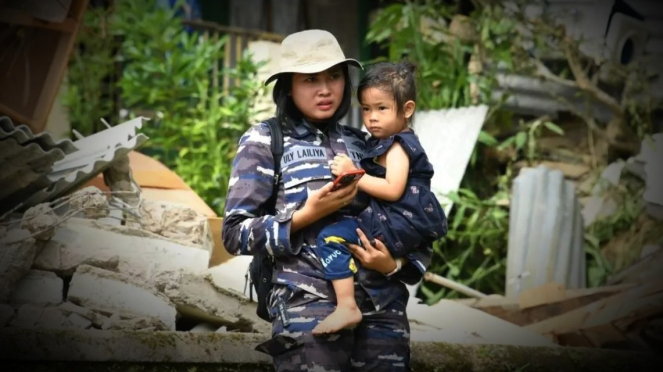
287, 111
397, 78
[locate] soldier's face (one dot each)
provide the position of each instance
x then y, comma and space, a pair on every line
318, 95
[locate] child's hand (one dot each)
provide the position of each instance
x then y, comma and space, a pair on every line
342, 163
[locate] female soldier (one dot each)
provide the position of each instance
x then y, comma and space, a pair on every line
312, 92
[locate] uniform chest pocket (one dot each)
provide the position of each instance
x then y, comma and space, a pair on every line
302, 164
298, 175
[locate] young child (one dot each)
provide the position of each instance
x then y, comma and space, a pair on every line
403, 212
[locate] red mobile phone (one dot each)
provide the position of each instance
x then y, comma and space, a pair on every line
347, 178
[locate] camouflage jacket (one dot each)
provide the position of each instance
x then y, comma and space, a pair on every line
305, 167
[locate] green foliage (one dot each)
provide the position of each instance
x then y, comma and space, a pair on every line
168, 71
444, 80
628, 195
89, 94
167, 75
474, 251
526, 139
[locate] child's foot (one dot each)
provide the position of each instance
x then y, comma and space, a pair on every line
342, 317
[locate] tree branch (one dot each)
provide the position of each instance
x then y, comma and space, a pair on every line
570, 51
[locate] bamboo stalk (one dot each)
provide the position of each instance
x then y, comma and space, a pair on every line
453, 285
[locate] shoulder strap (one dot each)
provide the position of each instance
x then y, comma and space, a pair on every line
276, 133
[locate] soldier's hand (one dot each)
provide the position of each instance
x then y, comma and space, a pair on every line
373, 255
324, 201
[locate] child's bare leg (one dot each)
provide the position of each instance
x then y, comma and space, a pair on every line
346, 314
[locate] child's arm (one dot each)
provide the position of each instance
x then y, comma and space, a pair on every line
389, 188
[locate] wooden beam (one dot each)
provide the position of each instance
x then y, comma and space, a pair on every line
17, 17
58, 67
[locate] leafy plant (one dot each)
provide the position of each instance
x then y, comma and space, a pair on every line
414, 30
526, 139
167, 74
474, 251
90, 91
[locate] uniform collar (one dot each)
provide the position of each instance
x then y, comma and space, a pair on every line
303, 128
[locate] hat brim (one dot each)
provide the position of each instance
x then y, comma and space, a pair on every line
312, 68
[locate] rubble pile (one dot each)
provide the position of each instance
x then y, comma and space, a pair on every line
71, 267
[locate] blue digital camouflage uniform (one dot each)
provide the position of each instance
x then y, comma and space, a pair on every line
381, 341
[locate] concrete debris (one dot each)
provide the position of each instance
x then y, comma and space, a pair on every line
40, 220
197, 298
38, 288
175, 221
116, 322
91, 202
117, 248
78, 321
613, 172
30, 316
110, 292
3, 232
6, 314
204, 327
449, 321
70, 308
230, 275
17, 251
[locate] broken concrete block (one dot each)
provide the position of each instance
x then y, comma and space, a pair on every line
30, 316
230, 275
118, 248
40, 220
78, 321
17, 251
39, 288
70, 308
6, 314
197, 298
52, 317
175, 221
90, 201
134, 324
27, 316
111, 292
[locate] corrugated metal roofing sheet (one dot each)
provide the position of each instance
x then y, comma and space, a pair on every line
546, 234
26, 161
36, 169
449, 137
96, 153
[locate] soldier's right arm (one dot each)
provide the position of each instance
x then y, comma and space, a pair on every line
245, 229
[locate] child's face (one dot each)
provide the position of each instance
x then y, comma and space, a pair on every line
380, 113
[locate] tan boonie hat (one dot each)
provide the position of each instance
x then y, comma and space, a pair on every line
308, 52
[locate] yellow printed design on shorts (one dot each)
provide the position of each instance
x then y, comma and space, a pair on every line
334, 239
352, 266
